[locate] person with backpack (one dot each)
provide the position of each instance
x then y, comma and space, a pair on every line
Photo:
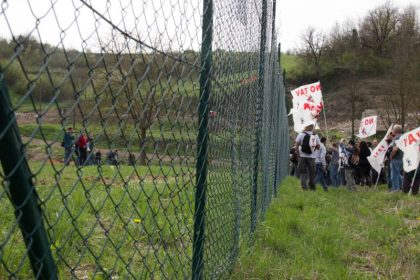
306, 143
321, 164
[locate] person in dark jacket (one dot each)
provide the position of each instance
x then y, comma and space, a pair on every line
411, 183
68, 145
363, 168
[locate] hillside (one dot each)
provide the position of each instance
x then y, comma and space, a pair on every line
375, 95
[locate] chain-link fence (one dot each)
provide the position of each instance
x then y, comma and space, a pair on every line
138, 139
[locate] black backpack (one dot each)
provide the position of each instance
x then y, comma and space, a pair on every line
306, 148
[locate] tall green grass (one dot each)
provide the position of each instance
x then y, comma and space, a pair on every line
289, 62
368, 234
108, 221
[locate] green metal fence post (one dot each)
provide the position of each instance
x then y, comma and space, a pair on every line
278, 150
22, 192
202, 139
259, 112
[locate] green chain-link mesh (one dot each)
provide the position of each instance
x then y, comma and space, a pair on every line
131, 76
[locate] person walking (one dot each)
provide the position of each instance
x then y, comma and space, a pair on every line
349, 164
321, 164
82, 146
334, 165
363, 168
68, 145
294, 160
306, 143
396, 160
411, 183
90, 149
342, 161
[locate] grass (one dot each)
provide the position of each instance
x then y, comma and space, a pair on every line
108, 221
128, 222
289, 62
368, 234
125, 222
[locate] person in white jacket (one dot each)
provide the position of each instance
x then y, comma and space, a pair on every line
306, 163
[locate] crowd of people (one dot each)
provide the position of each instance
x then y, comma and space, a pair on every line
83, 149
346, 163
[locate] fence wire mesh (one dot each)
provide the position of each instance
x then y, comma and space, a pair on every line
100, 144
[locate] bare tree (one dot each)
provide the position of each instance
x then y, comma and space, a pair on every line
390, 112
378, 29
313, 50
406, 70
131, 97
354, 99
342, 40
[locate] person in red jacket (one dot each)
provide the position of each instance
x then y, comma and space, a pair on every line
82, 146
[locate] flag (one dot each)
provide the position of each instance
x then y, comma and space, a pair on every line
409, 143
376, 159
301, 119
367, 127
307, 105
308, 98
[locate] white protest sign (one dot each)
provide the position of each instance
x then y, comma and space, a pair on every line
409, 143
367, 127
308, 98
376, 159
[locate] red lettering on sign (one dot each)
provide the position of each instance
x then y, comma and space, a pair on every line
312, 88
369, 121
318, 86
411, 139
301, 92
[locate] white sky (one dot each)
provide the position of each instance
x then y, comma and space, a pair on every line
295, 16
164, 23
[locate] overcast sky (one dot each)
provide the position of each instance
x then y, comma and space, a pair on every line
294, 16
174, 23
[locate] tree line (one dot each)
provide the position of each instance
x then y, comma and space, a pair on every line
384, 44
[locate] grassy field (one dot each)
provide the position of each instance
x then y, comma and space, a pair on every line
108, 221
368, 234
289, 62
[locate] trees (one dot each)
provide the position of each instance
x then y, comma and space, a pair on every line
129, 86
313, 50
405, 70
378, 29
375, 60
406, 66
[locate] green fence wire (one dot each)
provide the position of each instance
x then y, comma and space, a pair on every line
138, 139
